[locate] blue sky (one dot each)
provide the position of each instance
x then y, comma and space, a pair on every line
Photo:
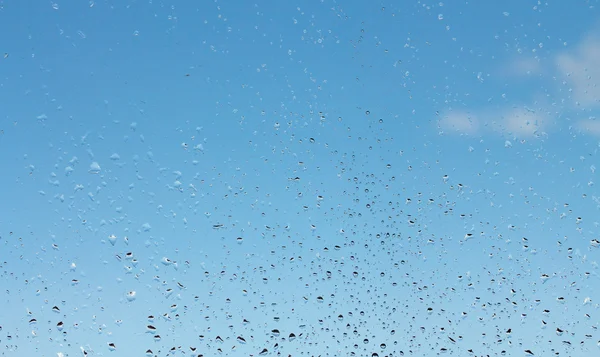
373, 178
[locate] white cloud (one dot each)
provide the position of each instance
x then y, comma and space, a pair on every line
582, 71
459, 122
523, 66
577, 70
589, 126
523, 122
517, 121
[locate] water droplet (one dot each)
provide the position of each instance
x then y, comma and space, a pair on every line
94, 168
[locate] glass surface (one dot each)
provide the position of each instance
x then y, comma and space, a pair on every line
299, 178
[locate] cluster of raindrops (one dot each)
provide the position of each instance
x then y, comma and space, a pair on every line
297, 234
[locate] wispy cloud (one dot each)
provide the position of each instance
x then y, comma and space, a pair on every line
589, 126
459, 122
523, 122
523, 66
581, 70
578, 74
516, 121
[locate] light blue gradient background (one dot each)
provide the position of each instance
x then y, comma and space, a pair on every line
373, 84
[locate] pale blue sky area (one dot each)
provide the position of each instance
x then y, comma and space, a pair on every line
333, 178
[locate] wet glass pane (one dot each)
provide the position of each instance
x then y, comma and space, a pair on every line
308, 178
